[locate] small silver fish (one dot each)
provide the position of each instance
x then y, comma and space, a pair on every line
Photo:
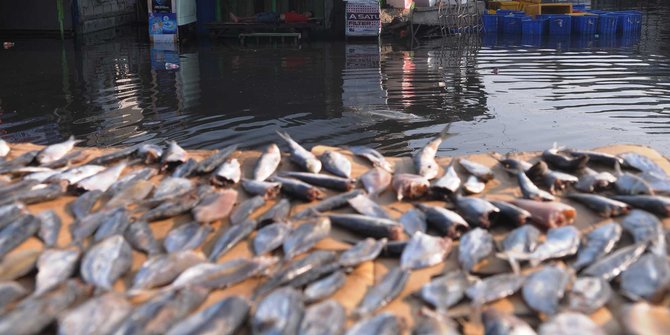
413, 220
305, 236
297, 268
245, 209
570, 323
150, 153
270, 237
447, 184
364, 205
116, 222
613, 264
494, 287
229, 173
562, 162
215, 160
76, 174
267, 163
548, 214
160, 313
299, 189
132, 194
215, 206
106, 261
480, 171
642, 163
54, 267
648, 278
363, 251
99, 315
11, 212
327, 204
171, 207
173, 156
336, 163
300, 156
230, 238
218, 276
367, 226
445, 291
325, 287
19, 263
323, 180
383, 292
424, 250
477, 212
4, 148
522, 240
544, 288
187, 236
446, 222
266, 189
373, 156
424, 160
50, 224
163, 269
381, 324
659, 183
656, 204
646, 227
114, 156
36, 194
473, 185
225, 317
588, 294
141, 238
277, 213
279, 313
630, 184
10, 291
409, 186
591, 181
474, 246
56, 151
171, 187
102, 180
375, 181
499, 323
560, 242
129, 179
530, 190
599, 242
325, 318
186, 169
17, 232
603, 206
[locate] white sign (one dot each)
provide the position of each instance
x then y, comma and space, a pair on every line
362, 19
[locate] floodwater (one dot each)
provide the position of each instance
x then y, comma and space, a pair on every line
497, 93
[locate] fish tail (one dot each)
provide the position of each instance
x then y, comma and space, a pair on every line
284, 135
444, 133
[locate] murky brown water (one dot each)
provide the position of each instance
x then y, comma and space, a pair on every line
498, 93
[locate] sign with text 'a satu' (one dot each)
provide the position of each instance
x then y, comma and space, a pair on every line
362, 18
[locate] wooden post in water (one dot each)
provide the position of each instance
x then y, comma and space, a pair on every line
61, 17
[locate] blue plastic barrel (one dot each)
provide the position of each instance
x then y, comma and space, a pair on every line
586, 24
560, 25
512, 24
490, 23
607, 24
533, 27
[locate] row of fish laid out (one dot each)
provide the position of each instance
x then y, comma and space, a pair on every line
114, 210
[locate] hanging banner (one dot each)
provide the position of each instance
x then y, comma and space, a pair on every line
163, 27
161, 6
362, 19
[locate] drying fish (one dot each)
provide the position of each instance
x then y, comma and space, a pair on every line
473, 185
642, 163
380, 324
54, 267
383, 292
480, 171
365, 250
364, 205
561, 162
299, 189
36, 194
646, 227
409, 186
393, 249
645, 318
648, 278
588, 294
512, 165
326, 318
98, 315
172, 207
114, 156
101, 180
10, 291
225, 317
476, 211
445, 291
432, 323
77, 174
604, 207
141, 238
82, 229
17, 232
294, 270
230, 238
613, 264
599, 242
163, 269
474, 246
560, 242
376, 181
173, 156
523, 239
658, 183
336, 163
629, 184
187, 236
373, 156
279, 313
116, 223
131, 178
424, 250
49, 227
270, 237
228, 173
4, 148
325, 287
510, 213
367, 226
322, 180
219, 276
530, 190
266, 189
305, 236
185, 170
19, 161
591, 180
300, 156
19, 263
656, 204
494, 287
18, 187
245, 209
215, 160
327, 204
106, 261
215, 206
498, 323
554, 180
597, 157
446, 222
447, 184
267, 163
132, 194
549, 214
570, 323
150, 153
412, 221
56, 151
72, 157
41, 177
277, 213
424, 159
160, 313
11, 212
544, 288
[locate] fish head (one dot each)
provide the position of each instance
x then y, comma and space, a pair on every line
313, 165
